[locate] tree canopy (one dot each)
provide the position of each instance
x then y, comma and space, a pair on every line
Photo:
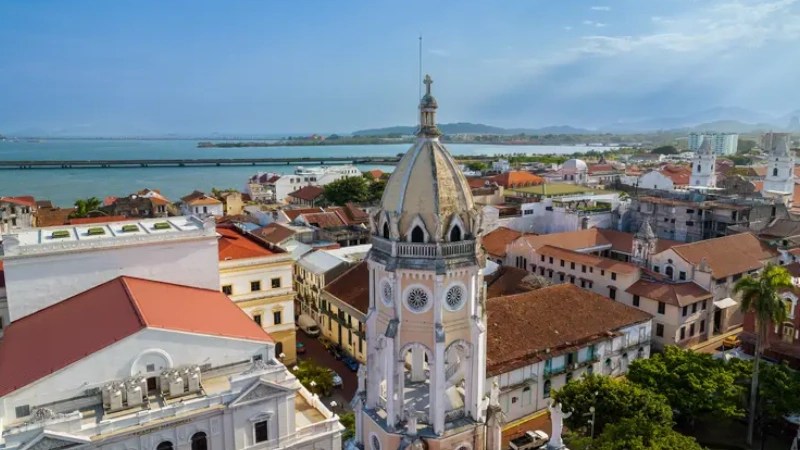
695, 384
665, 150
477, 166
636, 433
349, 189
84, 206
613, 400
322, 377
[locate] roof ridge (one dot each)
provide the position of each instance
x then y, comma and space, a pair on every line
132, 300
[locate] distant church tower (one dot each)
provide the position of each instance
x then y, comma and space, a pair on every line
645, 243
426, 324
780, 171
704, 166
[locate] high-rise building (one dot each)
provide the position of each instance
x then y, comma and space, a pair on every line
721, 143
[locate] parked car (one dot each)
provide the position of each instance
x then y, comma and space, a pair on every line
337, 380
308, 325
731, 341
300, 348
336, 351
530, 440
351, 363
326, 343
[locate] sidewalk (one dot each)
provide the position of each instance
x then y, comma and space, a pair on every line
540, 420
710, 346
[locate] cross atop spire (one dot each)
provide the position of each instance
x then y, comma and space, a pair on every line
428, 82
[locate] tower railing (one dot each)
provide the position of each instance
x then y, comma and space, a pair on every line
422, 250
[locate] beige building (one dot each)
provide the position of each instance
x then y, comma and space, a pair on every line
259, 280
344, 304
232, 203
312, 273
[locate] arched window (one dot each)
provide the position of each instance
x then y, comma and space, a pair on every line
455, 234
278, 349
546, 389
668, 271
385, 230
166, 445
417, 235
640, 354
775, 172
199, 441
788, 332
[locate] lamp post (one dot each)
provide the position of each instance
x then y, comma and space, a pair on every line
591, 412
333, 406
313, 384
282, 356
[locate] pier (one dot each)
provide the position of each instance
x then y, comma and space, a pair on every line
204, 162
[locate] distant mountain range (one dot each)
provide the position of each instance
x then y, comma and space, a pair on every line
475, 128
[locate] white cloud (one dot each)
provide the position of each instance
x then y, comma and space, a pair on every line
600, 8
599, 24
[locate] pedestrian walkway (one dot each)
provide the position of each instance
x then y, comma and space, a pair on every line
710, 346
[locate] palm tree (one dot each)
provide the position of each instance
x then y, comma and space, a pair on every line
761, 296
84, 206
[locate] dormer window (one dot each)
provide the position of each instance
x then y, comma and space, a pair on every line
417, 235
385, 230
455, 234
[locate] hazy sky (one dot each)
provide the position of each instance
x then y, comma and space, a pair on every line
303, 66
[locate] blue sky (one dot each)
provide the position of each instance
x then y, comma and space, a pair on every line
337, 66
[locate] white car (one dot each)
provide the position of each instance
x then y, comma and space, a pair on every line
337, 380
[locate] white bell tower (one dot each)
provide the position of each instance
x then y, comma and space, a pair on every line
779, 181
425, 329
704, 171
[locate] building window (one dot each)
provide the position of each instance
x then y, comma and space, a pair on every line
660, 330
227, 289
375, 442
702, 326
417, 235
704, 304
150, 368
542, 258
277, 317
199, 441
602, 273
685, 310
22, 411
656, 269
572, 279
689, 211
613, 275
775, 172
255, 286
612, 293
583, 269
546, 389
694, 308
166, 445
551, 260
276, 283
572, 265
262, 433
683, 333
568, 377
541, 270
257, 319
691, 330
721, 281
681, 275
562, 263
561, 277
668, 271
689, 223
636, 300
661, 307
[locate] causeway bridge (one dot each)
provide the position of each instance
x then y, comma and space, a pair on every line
202, 162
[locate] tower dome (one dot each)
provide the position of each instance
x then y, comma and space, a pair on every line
575, 165
427, 196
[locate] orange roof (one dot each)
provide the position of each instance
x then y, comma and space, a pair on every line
108, 201
234, 245
476, 183
350, 214
274, 233
599, 262
623, 242
375, 173
293, 214
601, 168
352, 287
517, 178
679, 175
760, 171
758, 186
495, 242
50, 217
619, 241
728, 255
204, 201
79, 326
324, 219
25, 200
101, 219
308, 193
676, 294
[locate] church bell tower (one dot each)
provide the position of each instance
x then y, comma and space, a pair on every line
704, 170
425, 328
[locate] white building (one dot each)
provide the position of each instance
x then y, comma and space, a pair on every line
721, 143
668, 178
281, 185
569, 213
127, 365
501, 165
779, 181
704, 166
4, 319
46, 265
17, 213
201, 205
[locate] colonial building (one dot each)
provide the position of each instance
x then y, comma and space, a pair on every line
140, 364
312, 273
668, 178
783, 341
344, 304
307, 196
17, 213
779, 181
259, 280
704, 172
46, 265
199, 204
280, 186
146, 203
232, 202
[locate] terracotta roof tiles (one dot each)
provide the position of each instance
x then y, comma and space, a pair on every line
598, 262
679, 175
79, 326
517, 178
234, 245
559, 318
496, 241
324, 220
507, 280
352, 287
676, 294
51, 217
728, 255
24, 200
293, 214
274, 233
308, 193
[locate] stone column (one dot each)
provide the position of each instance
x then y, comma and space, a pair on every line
391, 379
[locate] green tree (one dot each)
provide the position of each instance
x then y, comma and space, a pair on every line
84, 206
636, 433
761, 297
613, 400
665, 150
315, 378
377, 188
348, 421
477, 166
778, 388
349, 189
744, 146
695, 384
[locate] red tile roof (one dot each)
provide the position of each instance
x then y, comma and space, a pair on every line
50, 217
598, 262
517, 178
101, 219
600, 168
350, 214
507, 280
623, 242
293, 214
274, 233
308, 193
376, 174
476, 183
108, 201
620, 241
495, 242
679, 175
324, 220
728, 255
79, 326
25, 200
676, 294
234, 245
352, 287
758, 186
561, 318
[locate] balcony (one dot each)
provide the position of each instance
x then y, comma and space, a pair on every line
434, 250
551, 372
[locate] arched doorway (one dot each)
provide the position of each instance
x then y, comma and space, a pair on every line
385, 230
455, 234
199, 441
166, 445
278, 349
417, 235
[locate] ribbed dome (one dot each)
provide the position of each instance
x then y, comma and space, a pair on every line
428, 184
574, 164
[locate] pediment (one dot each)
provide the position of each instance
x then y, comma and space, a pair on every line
259, 390
54, 441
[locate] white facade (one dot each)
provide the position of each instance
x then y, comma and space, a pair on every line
303, 176
721, 143
41, 270
779, 181
568, 214
501, 166
16, 216
704, 166
203, 209
246, 395
656, 180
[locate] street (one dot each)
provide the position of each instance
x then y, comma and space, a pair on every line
315, 352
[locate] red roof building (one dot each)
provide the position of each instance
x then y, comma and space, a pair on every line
306, 195
517, 178
235, 245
